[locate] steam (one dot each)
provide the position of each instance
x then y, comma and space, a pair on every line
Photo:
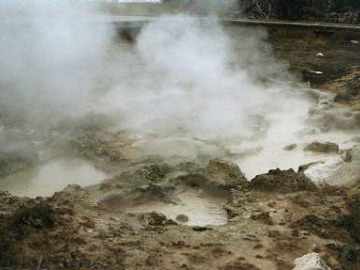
50, 62
182, 77
187, 83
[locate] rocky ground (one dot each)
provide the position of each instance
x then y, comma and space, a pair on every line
327, 60
270, 221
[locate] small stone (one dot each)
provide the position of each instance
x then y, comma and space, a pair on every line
157, 218
346, 155
290, 147
182, 218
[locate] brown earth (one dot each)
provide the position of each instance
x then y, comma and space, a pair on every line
265, 230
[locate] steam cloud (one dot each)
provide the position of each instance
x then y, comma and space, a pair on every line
182, 77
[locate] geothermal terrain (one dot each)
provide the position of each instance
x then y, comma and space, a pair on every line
177, 144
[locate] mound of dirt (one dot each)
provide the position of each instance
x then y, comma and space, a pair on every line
282, 181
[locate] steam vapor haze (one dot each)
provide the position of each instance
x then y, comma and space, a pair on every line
181, 78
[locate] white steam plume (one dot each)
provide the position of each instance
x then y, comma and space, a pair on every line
186, 82
182, 77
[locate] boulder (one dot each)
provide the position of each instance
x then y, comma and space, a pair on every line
282, 181
224, 172
326, 147
311, 261
343, 173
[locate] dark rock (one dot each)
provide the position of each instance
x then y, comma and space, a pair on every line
182, 218
290, 147
157, 219
326, 147
282, 181
201, 229
304, 167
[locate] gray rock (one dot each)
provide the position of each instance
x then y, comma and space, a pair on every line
224, 172
348, 174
